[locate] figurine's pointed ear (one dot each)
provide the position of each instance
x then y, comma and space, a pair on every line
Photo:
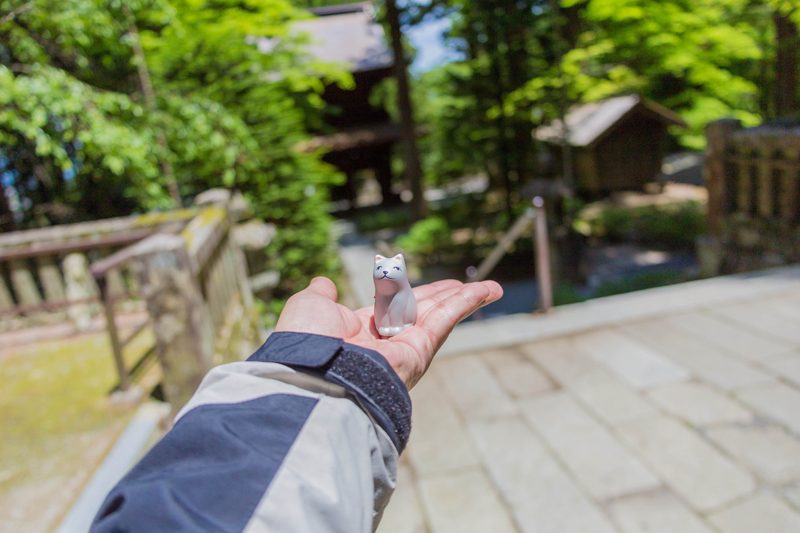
399, 257
379, 257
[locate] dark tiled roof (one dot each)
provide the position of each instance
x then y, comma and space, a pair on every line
347, 34
587, 123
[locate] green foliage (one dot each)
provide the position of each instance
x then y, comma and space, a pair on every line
384, 218
428, 236
565, 294
523, 63
702, 60
672, 225
77, 130
470, 130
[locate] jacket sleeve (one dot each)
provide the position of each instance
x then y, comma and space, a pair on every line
304, 436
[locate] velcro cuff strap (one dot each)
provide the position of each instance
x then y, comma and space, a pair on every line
362, 371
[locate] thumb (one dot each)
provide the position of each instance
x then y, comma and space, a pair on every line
323, 287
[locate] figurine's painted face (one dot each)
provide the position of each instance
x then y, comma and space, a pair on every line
390, 269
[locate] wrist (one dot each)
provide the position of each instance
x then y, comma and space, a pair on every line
365, 373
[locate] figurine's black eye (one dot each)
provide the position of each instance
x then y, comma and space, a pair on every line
397, 268
378, 267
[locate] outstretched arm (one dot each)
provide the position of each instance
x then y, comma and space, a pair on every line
305, 434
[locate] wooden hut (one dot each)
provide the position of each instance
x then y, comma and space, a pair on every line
616, 144
358, 136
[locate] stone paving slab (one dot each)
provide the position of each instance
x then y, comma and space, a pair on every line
792, 494
517, 374
603, 466
769, 451
641, 366
439, 442
695, 470
699, 404
764, 512
707, 363
777, 401
475, 392
726, 336
786, 367
609, 398
464, 502
655, 512
761, 317
542, 497
560, 358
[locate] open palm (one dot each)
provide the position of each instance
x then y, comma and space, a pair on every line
440, 306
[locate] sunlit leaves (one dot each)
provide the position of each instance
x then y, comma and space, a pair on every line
75, 127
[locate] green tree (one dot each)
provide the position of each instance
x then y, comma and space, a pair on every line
698, 58
77, 139
471, 127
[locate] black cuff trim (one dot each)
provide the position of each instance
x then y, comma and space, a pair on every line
362, 371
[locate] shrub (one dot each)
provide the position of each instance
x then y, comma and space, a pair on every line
427, 237
385, 218
671, 226
647, 280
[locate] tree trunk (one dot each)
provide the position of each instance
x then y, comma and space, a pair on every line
786, 66
146, 86
501, 123
413, 167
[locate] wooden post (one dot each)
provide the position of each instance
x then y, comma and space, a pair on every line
541, 244
745, 183
23, 283
50, 276
6, 302
80, 286
242, 278
764, 187
714, 172
113, 334
790, 189
180, 317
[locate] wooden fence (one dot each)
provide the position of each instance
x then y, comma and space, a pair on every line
753, 180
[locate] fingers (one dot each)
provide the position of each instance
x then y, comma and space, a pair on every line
430, 289
440, 319
323, 287
423, 294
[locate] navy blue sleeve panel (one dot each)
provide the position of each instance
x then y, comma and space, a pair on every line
363, 372
210, 471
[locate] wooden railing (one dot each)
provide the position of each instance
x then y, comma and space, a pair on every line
534, 218
44, 272
753, 180
182, 272
198, 300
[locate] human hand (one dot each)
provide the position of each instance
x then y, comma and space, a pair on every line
440, 306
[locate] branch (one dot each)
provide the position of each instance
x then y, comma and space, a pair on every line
8, 17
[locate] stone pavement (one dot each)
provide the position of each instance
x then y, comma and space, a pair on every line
685, 420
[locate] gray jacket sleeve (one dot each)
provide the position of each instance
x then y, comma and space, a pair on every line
304, 436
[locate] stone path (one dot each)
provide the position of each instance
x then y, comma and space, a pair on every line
684, 420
